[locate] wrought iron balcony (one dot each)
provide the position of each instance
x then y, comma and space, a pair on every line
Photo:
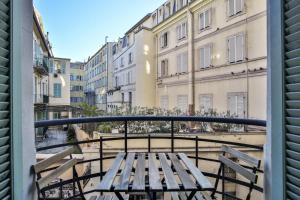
41, 99
41, 65
95, 154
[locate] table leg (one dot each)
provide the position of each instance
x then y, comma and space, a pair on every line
192, 194
120, 197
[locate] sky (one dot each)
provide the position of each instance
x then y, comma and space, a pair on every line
77, 28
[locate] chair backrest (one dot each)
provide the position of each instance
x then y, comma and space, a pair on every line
253, 163
45, 164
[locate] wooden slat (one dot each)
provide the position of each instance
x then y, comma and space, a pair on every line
111, 173
183, 175
200, 178
93, 198
168, 173
44, 164
175, 196
154, 177
139, 177
108, 197
182, 195
241, 156
44, 181
126, 173
238, 168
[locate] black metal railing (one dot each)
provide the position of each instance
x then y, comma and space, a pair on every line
172, 137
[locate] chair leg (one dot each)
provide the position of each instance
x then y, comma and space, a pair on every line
217, 181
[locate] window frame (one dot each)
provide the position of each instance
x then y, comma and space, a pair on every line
243, 48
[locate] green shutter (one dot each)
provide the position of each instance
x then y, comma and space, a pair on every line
5, 156
292, 97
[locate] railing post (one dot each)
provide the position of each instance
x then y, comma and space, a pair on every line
172, 136
149, 143
197, 151
60, 189
125, 139
101, 157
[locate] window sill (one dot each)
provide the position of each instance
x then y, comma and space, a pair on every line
204, 29
235, 15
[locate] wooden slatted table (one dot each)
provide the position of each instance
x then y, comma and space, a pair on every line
154, 172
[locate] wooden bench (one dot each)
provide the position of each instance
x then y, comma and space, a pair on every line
43, 181
108, 197
232, 161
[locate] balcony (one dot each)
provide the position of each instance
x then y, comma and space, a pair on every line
41, 99
41, 66
97, 150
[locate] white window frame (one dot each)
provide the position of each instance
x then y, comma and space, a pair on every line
182, 66
236, 95
201, 107
236, 49
235, 11
206, 50
185, 110
164, 68
164, 102
164, 42
207, 14
181, 31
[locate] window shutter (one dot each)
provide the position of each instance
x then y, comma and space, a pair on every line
231, 7
207, 18
201, 21
231, 49
207, 56
185, 62
179, 63
239, 6
164, 102
5, 156
292, 99
201, 57
182, 103
178, 30
240, 47
241, 106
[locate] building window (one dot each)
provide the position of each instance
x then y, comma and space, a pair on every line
237, 104
164, 40
236, 48
130, 58
180, 4
205, 56
154, 19
71, 77
182, 62
114, 49
206, 103
123, 97
205, 19
235, 7
122, 62
181, 31
182, 103
57, 90
56, 115
167, 10
164, 68
164, 102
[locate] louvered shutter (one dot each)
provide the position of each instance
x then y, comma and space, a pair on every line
179, 63
231, 7
231, 49
5, 156
240, 47
184, 60
201, 21
201, 57
182, 103
292, 94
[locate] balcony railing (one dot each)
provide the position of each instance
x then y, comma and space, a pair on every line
41, 65
195, 145
41, 99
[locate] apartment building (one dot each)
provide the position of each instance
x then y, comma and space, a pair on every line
76, 84
211, 55
59, 88
98, 77
41, 54
134, 68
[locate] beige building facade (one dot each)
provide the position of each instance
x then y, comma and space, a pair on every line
98, 77
76, 83
134, 68
212, 56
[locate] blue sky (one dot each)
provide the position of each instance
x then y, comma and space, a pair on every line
78, 27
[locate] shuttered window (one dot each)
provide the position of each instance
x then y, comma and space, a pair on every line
237, 104
206, 101
181, 30
205, 56
182, 103
235, 7
292, 98
57, 90
236, 48
205, 19
182, 62
164, 102
5, 156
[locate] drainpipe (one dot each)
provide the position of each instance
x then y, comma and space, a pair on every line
106, 72
191, 69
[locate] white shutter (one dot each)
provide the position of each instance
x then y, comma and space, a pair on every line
232, 108
231, 49
231, 7
207, 56
178, 63
240, 106
201, 21
205, 103
202, 57
159, 69
164, 102
240, 47
184, 29
178, 31
207, 18
238, 6
182, 102
184, 62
